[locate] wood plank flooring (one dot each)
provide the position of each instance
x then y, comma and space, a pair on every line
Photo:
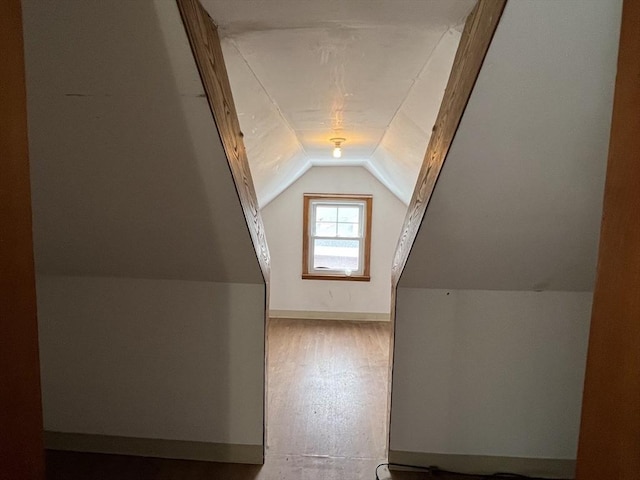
326, 417
327, 390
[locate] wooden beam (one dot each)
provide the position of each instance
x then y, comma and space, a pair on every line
476, 37
609, 445
205, 44
21, 438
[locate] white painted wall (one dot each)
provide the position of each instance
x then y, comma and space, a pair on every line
489, 372
283, 225
165, 359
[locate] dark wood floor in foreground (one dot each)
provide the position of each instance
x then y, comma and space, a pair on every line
326, 414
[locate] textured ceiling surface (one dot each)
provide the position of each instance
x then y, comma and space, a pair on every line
518, 203
372, 72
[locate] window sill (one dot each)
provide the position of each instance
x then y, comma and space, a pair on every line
352, 278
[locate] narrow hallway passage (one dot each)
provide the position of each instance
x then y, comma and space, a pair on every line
327, 398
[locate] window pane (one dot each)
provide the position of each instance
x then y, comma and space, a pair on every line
325, 229
342, 255
348, 230
326, 213
349, 214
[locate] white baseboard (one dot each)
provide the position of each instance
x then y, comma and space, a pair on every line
154, 447
316, 315
486, 465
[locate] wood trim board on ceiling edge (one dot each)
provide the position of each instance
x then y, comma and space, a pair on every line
155, 447
476, 38
207, 53
317, 315
557, 468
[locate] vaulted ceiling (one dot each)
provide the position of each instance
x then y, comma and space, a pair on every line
370, 71
129, 177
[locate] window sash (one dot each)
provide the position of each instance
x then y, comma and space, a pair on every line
313, 206
360, 258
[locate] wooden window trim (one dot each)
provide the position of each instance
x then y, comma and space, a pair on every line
368, 201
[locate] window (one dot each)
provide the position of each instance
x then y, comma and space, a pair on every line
336, 237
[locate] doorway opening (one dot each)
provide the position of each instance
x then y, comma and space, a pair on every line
293, 85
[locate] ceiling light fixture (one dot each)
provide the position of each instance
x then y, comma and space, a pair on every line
337, 146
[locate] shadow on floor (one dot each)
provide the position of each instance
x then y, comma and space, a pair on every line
95, 466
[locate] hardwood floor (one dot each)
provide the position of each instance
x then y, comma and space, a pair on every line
327, 390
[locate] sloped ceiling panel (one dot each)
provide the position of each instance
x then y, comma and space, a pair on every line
274, 152
238, 16
401, 151
128, 174
518, 203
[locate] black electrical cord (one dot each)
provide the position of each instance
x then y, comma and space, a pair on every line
436, 470
414, 467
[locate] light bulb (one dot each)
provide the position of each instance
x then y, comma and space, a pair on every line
337, 146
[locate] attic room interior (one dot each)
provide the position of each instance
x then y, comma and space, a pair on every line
305, 239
